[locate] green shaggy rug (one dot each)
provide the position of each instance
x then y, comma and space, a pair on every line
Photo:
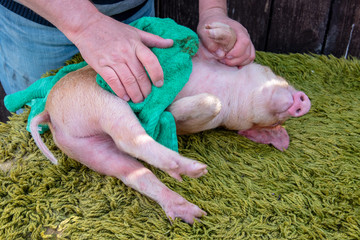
252, 191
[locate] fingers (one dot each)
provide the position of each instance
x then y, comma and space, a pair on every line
111, 78
128, 81
134, 83
151, 64
213, 47
122, 82
245, 51
152, 40
147, 57
142, 80
119, 53
226, 39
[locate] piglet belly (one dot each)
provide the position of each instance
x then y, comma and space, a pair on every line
209, 76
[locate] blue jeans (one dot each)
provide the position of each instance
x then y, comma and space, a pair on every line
29, 49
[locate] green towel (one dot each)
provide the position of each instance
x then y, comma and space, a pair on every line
177, 67
36, 94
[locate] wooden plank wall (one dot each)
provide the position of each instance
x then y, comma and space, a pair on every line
281, 26
285, 26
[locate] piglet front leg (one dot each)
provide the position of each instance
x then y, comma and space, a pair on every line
195, 113
223, 36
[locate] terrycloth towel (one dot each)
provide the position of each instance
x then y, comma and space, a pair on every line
36, 94
176, 64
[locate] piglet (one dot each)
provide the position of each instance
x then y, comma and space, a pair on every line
252, 100
99, 130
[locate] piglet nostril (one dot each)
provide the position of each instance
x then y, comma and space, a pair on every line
300, 106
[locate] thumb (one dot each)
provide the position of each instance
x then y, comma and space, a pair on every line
152, 40
213, 47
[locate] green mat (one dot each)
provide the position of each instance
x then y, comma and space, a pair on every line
252, 191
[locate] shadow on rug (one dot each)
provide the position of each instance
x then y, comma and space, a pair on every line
310, 191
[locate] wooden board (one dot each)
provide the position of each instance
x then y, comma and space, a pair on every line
298, 26
254, 15
284, 26
184, 12
344, 14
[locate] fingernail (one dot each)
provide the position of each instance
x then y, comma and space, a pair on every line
229, 57
126, 98
220, 53
170, 42
159, 83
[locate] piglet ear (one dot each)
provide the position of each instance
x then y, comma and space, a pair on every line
276, 136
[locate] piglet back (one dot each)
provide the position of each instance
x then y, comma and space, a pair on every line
43, 117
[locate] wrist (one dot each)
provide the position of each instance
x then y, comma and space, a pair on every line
212, 7
212, 12
69, 16
74, 25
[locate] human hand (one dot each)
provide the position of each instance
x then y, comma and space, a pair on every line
243, 51
119, 53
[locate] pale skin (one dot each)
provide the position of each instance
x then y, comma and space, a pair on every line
101, 131
119, 52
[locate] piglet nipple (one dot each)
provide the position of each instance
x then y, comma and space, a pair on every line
301, 105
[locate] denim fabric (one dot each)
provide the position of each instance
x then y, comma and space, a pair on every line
29, 49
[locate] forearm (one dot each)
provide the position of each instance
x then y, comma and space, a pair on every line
69, 16
213, 6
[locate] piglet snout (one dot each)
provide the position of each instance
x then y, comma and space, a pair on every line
300, 106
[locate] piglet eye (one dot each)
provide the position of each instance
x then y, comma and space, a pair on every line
281, 100
275, 124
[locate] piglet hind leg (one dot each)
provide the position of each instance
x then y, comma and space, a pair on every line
133, 140
101, 154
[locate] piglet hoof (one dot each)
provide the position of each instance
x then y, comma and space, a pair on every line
181, 208
189, 168
222, 34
